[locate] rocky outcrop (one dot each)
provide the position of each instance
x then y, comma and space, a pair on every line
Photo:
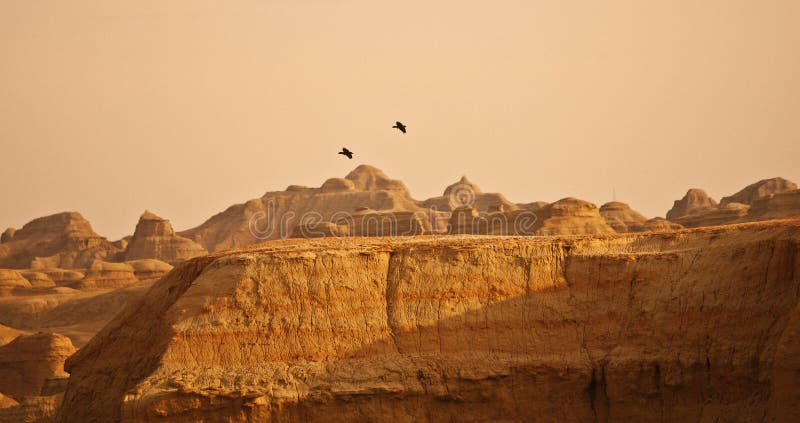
63, 277
657, 224
621, 217
29, 360
775, 206
64, 240
761, 189
154, 238
276, 214
319, 230
7, 334
570, 216
367, 222
695, 201
465, 193
11, 281
149, 270
722, 214
681, 326
7, 235
38, 279
103, 274
76, 314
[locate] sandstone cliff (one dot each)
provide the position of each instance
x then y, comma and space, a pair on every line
154, 238
64, 240
680, 326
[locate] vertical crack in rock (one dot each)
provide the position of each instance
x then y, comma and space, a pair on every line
392, 282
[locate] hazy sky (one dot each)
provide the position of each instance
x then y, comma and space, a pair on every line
111, 107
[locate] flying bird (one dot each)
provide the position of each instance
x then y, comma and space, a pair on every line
346, 152
400, 126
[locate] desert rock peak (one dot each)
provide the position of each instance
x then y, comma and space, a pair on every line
462, 183
620, 216
370, 178
694, 201
154, 238
761, 189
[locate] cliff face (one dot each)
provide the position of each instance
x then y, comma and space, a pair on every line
695, 325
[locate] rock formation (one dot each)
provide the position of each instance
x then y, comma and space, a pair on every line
620, 216
149, 270
319, 230
11, 281
775, 206
466, 193
8, 334
7, 235
29, 360
722, 214
276, 214
570, 216
103, 274
761, 189
64, 240
656, 224
695, 201
367, 222
38, 279
635, 327
63, 277
154, 238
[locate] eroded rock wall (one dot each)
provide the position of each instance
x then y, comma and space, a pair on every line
695, 325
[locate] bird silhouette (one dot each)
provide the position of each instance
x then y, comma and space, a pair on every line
400, 126
346, 152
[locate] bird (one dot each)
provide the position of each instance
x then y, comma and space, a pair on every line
346, 152
400, 126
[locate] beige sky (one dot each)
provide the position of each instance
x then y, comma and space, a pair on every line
186, 107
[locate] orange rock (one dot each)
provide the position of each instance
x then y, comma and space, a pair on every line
29, 360
677, 326
620, 216
154, 238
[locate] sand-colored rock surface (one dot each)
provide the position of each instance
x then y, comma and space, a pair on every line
721, 214
6, 401
38, 279
76, 314
63, 277
467, 193
695, 201
319, 230
276, 214
657, 224
620, 216
7, 235
619, 328
776, 206
154, 238
11, 281
29, 360
570, 216
63, 240
103, 274
149, 270
7, 334
761, 189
